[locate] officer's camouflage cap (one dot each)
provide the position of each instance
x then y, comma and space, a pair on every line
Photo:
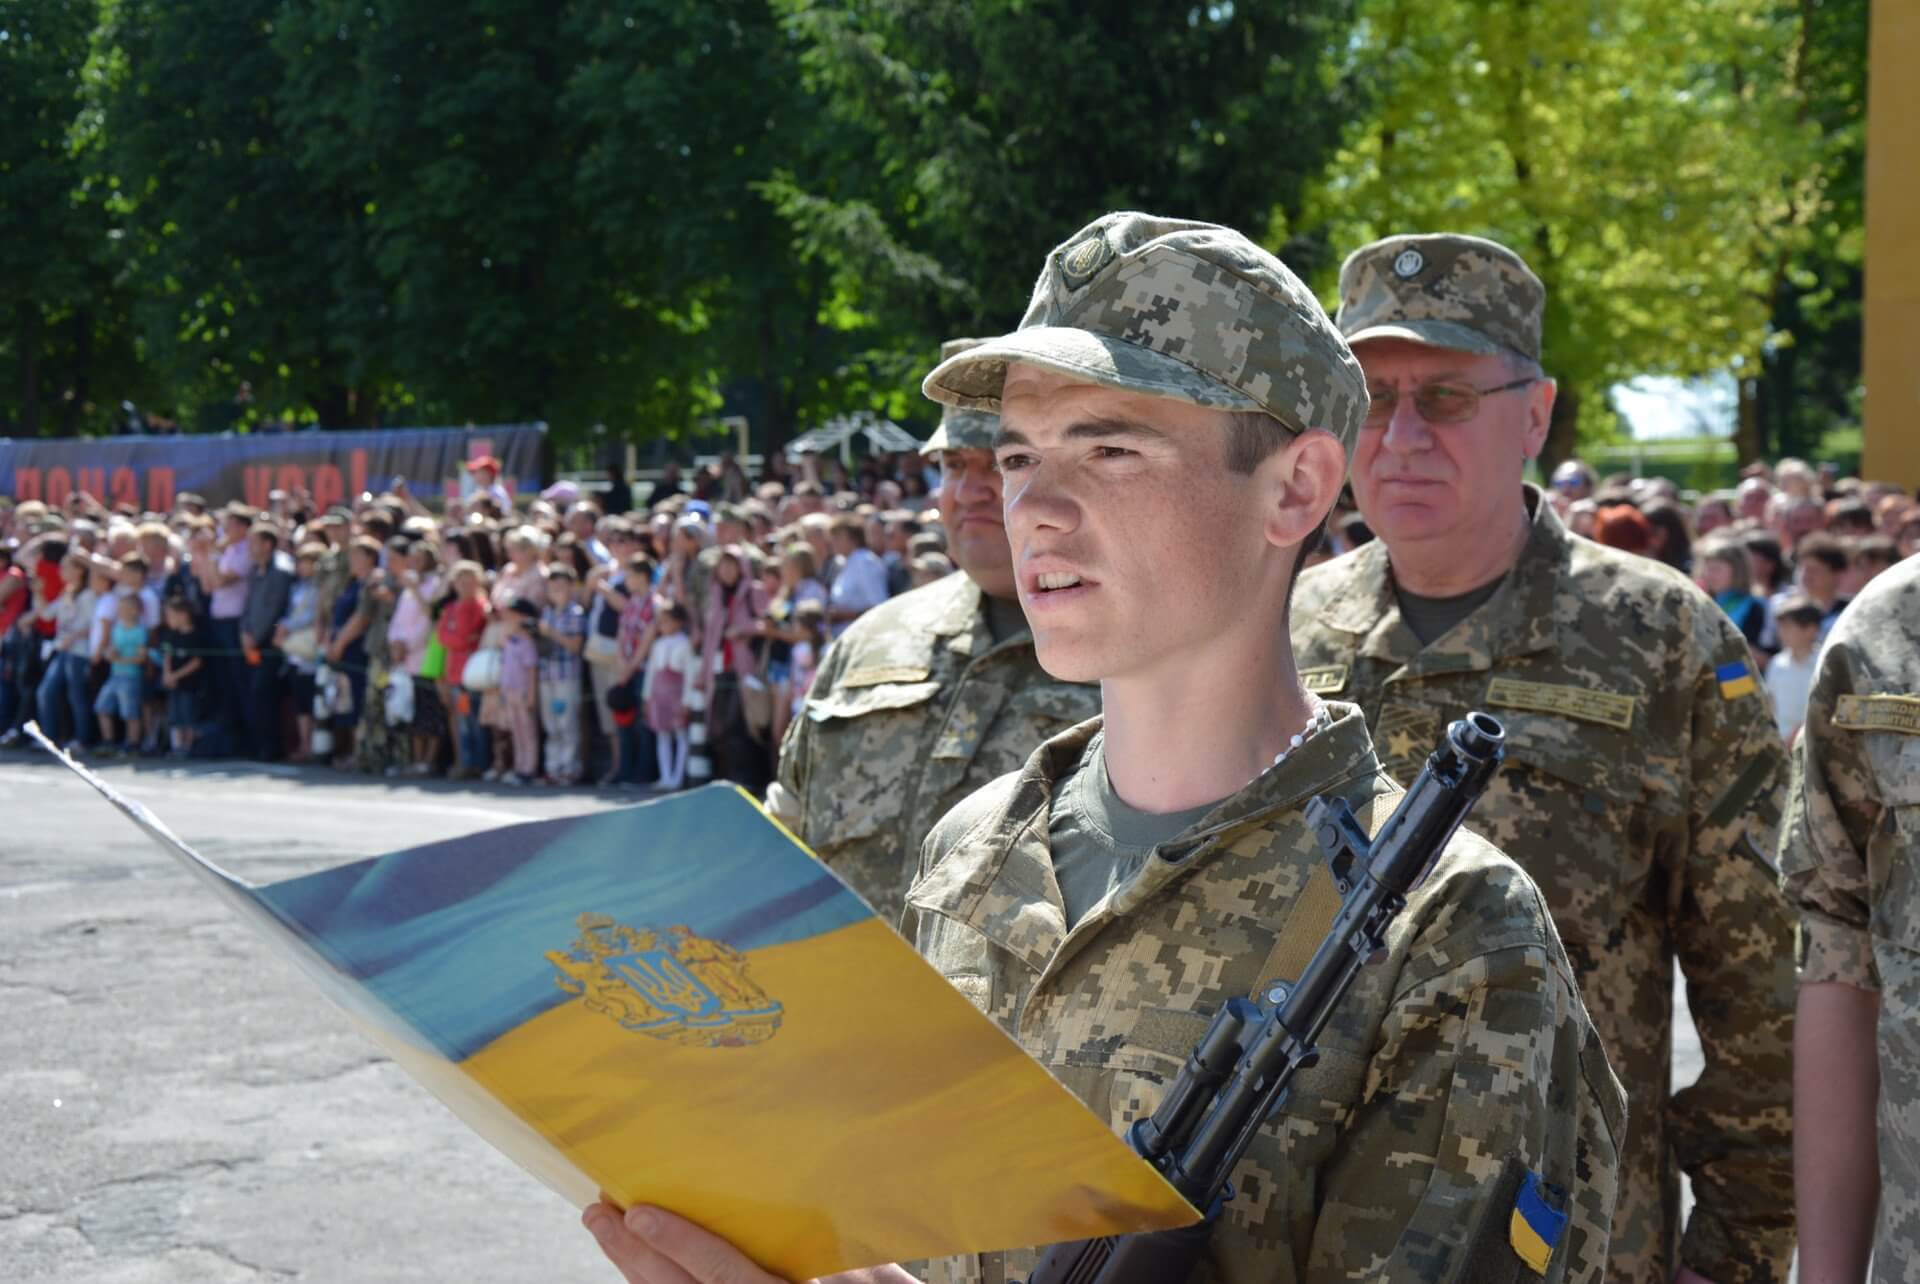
1444, 290
962, 429
1173, 308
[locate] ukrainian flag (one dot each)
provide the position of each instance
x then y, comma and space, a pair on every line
677, 1004
1536, 1226
1736, 679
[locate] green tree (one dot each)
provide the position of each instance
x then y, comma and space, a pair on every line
976, 136
1810, 377
227, 244
1648, 158
62, 331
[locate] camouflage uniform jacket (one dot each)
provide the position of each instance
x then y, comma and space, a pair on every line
912, 709
1464, 1057
1848, 850
1642, 794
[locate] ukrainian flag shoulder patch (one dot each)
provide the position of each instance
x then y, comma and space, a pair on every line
1536, 1226
1736, 679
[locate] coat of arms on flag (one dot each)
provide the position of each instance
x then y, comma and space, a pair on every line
672, 985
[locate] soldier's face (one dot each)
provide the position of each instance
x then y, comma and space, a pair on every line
1418, 481
970, 512
1134, 548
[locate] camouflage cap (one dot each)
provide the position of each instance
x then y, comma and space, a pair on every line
1445, 290
1173, 308
962, 429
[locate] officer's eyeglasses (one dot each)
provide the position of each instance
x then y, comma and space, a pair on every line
1438, 403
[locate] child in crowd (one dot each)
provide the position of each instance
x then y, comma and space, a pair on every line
121, 696
563, 634
182, 643
520, 688
1790, 673
138, 577
811, 620
672, 668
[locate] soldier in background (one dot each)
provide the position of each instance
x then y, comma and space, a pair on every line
1848, 851
1643, 776
926, 697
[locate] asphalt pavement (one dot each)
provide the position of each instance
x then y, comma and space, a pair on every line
177, 1106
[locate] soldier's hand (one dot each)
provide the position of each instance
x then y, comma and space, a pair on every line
652, 1246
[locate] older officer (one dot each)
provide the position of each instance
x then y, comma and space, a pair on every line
1644, 774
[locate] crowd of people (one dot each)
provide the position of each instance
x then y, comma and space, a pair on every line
555, 642
547, 641
1783, 553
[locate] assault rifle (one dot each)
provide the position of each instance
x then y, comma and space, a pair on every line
1238, 1075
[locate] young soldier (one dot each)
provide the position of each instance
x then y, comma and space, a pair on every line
1176, 415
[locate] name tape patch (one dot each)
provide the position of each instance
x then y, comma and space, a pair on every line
1900, 713
1605, 707
1327, 679
879, 676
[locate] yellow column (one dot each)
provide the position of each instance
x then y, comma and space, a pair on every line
1892, 446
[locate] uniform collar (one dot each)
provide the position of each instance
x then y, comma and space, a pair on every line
1520, 619
962, 623
999, 879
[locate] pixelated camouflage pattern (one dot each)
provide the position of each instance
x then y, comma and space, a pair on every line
1177, 309
1465, 1048
1444, 289
1848, 851
961, 429
1649, 842
913, 708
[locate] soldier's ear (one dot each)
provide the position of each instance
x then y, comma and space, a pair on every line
1540, 397
1301, 482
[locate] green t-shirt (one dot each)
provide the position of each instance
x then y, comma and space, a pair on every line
1098, 841
1434, 617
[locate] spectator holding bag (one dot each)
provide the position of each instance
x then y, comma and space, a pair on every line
463, 623
736, 603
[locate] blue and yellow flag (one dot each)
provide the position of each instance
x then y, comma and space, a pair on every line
1536, 1226
677, 1004
1736, 679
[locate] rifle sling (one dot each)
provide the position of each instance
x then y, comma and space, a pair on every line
1311, 915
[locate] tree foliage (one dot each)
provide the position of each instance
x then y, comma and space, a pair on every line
1655, 161
650, 212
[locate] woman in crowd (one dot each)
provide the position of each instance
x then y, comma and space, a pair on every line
520, 576
462, 625
735, 606
64, 685
1672, 542
298, 639
1726, 573
799, 585
409, 639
